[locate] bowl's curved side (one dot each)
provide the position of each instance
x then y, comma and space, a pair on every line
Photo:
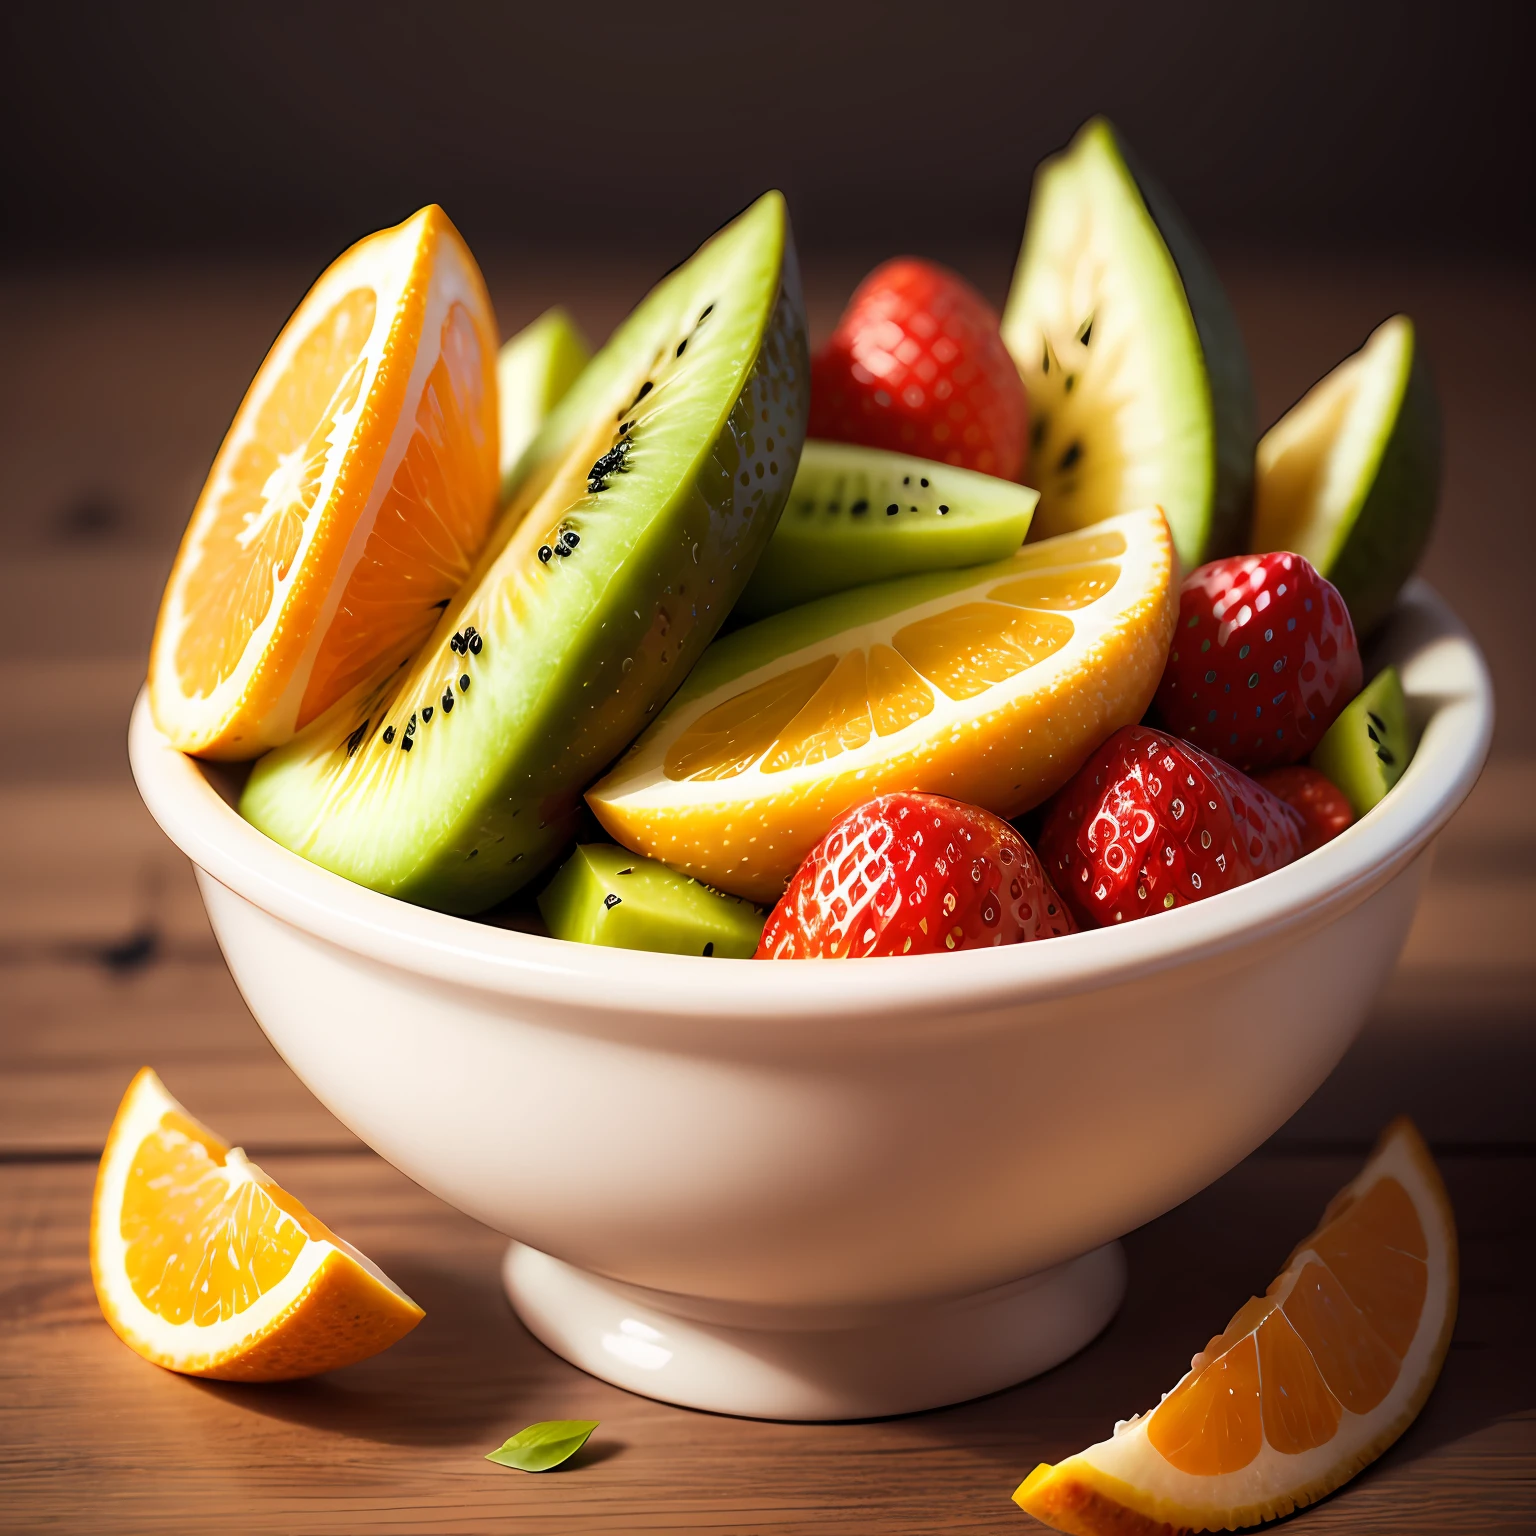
822, 1134
889, 1172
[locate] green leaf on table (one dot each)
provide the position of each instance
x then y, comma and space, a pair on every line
542, 1446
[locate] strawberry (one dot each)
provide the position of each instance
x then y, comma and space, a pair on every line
913, 874
1325, 811
1150, 822
917, 365
1263, 660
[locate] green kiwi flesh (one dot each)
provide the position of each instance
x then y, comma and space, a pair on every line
1138, 381
654, 486
604, 894
858, 515
1367, 748
1350, 475
534, 371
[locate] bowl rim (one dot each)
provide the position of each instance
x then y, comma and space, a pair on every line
1450, 695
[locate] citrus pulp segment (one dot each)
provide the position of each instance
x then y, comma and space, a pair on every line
857, 515
661, 475
1306, 1385
989, 685
351, 494
1138, 382
1350, 475
205, 1266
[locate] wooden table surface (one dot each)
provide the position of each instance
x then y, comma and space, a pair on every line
114, 389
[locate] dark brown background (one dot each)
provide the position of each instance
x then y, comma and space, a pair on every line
160, 126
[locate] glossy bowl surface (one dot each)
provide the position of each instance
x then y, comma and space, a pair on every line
826, 1135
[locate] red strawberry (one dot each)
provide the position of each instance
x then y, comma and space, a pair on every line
913, 874
1263, 660
1325, 811
1149, 823
917, 365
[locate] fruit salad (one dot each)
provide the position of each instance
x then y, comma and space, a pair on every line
968, 628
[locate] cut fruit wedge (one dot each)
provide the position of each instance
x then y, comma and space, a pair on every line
205, 1266
1308, 1383
990, 685
1138, 382
1350, 475
351, 494
534, 372
858, 515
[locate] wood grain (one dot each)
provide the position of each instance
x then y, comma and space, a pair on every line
92, 1437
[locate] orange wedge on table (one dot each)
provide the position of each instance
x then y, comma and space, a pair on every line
356, 484
1307, 1384
203, 1265
990, 685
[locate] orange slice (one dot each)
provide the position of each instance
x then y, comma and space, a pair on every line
205, 1266
1308, 1383
991, 685
356, 484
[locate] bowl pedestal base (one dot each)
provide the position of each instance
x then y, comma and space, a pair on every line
814, 1363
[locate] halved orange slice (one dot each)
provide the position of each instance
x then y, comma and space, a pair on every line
990, 685
1307, 1384
205, 1266
356, 484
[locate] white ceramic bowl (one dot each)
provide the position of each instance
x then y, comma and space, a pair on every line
829, 1189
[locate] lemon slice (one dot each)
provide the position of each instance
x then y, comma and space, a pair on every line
1308, 1383
203, 1265
990, 685
355, 486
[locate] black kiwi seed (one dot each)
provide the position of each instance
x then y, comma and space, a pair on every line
1385, 755
546, 554
683, 343
406, 743
447, 701
440, 604
943, 508
426, 714
570, 538
457, 643
1086, 331
628, 871
1376, 720
859, 506
355, 740
1071, 379
1071, 456
389, 734
709, 948
476, 645
924, 483
464, 683
610, 901
645, 389
906, 479
892, 510
1045, 359
709, 309
1037, 431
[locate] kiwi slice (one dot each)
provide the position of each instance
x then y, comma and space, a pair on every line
1350, 475
1367, 748
607, 895
534, 370
1139, 391
857, 515
656, 483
